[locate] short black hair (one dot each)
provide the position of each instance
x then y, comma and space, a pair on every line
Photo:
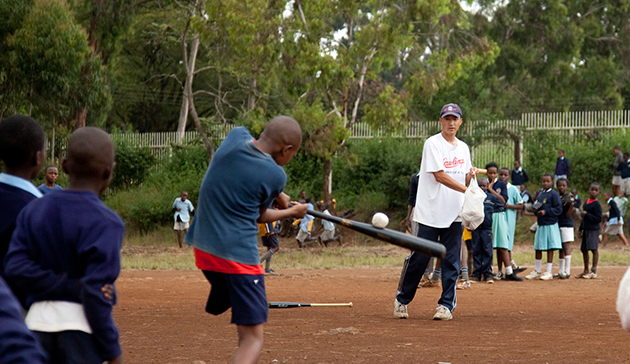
504, 169
616, 147
563, 179
547, 175
49, 166
492, 164
21, 138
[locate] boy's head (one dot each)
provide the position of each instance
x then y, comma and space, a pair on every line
492, 170
283, 137
626, 155
51, 173
563, 185
608, 194
522, 187
504, 174
561, 152
323, 206
90, 159
183, 196
22, 146
574, 191
517, 164
303, 195
616, 149
593, 190
483, 183
547, 181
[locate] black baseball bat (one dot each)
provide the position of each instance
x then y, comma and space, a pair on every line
296, 304
410, 242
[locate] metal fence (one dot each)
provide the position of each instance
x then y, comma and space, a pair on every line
489, 140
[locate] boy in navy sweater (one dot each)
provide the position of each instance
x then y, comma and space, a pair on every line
591, 219
482, 238
224, 231
65, 248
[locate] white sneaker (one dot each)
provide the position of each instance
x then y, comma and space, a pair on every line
533, 275
400, 310
547, 276
442, 313
590, 276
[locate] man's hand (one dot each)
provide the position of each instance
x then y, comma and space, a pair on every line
108, 292
298, 209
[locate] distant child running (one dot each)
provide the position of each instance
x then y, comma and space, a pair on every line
224, 231
65, 249
567, 234
548, 234
51, 173
614, 225
591, 219
183, 208
306, 225
329, 228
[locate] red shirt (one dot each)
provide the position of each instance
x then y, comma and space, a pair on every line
209, 262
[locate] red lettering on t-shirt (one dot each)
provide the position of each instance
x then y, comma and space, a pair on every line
454, 163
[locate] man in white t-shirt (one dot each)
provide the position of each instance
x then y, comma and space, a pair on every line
445, 172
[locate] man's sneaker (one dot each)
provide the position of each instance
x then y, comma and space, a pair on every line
591, 275
400, 310
489, 280
442, 313
513, 277
533, 275
498, 276
547, 276
463, 284
565, 275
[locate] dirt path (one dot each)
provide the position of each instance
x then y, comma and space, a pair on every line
161, 320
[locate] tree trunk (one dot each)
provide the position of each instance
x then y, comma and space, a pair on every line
327, 180
251, 96
190, 73
81, 118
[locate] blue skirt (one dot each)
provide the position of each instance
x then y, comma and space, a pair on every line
500, 231
548, 238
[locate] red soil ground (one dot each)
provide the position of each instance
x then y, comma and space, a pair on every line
161, 319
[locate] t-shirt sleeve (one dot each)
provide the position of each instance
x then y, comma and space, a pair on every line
431, 157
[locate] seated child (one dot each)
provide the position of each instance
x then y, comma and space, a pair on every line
65, 249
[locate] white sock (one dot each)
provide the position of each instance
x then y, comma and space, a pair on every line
561, 265
508, 270
567, 264
549, 266
538, 265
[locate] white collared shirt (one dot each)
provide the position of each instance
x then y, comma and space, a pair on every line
20, 183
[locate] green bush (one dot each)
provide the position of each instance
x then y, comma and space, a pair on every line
132, 166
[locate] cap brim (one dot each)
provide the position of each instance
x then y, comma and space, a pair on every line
451, 113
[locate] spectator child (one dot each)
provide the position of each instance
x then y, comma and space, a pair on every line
183, 208
591, 219
562, 166
65, 249
513, 205
224, 231
500, 234
624, 169
51, 173
548, 233
565, 222
269, 235
614, 225
622, 203
616, 178
519, 176
23, 154
525, 196
466, 259
482, 238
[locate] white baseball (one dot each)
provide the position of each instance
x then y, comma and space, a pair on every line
380, 220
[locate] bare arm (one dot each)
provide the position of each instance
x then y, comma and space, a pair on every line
448, 181
492, 191
268, 215
407, 220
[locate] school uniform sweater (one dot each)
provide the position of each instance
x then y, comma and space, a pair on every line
563, 220
613, 210
500, 187
519, 176
593, 217
551, 205
12, 200
17, 342
65, 247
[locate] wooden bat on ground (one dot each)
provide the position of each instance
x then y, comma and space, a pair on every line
295, 304
391, 236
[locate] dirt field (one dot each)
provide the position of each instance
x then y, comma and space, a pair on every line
161, 320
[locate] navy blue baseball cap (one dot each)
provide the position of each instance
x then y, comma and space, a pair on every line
451, 109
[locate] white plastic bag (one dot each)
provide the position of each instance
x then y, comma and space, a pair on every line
472, 212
